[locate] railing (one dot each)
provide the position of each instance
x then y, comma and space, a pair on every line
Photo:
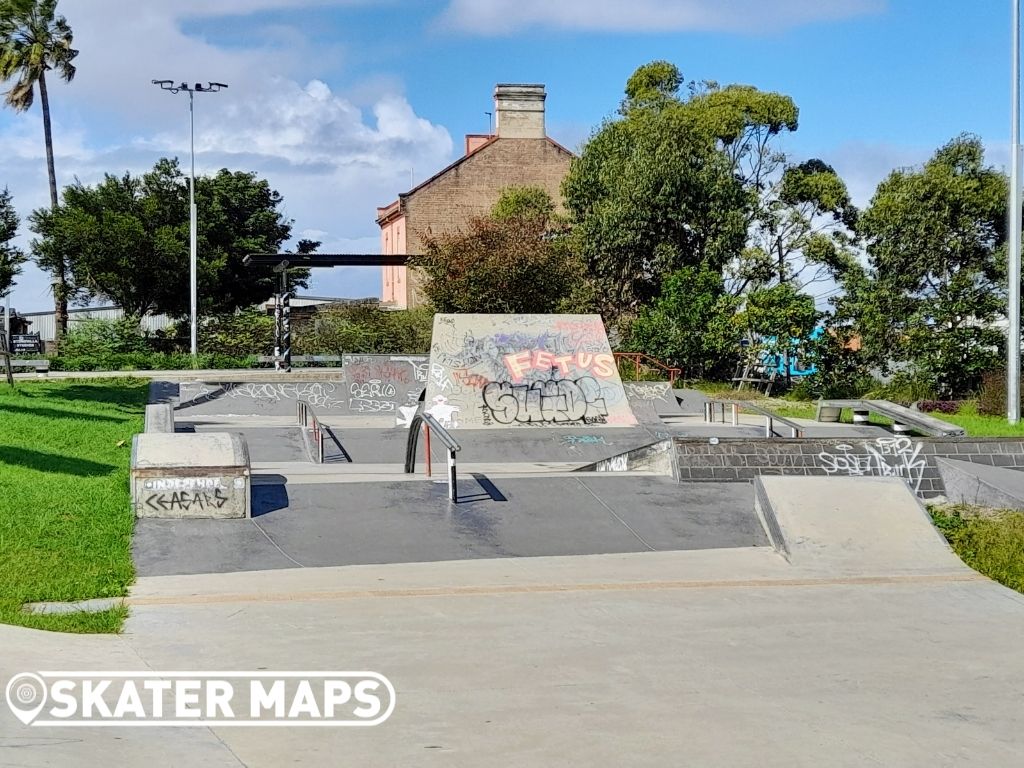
427, 423
639, 358
261, 359
308, 420
769, 418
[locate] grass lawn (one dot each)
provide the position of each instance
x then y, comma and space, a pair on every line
979, 425
990, 543
65, 514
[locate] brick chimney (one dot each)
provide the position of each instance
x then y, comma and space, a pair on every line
519, 111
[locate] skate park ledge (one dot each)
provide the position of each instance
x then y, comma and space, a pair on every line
190, 475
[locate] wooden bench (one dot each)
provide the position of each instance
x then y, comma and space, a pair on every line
904, 419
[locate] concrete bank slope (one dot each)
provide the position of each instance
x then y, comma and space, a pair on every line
852, 526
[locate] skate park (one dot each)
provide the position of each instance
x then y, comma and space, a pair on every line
554, 455
791, 600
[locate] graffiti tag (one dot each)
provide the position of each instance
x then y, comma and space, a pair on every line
519, 363
885, 457
186, 500
546, 402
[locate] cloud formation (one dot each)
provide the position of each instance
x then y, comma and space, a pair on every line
500, 17
332, 160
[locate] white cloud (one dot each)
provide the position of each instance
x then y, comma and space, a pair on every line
333, 161
499, 17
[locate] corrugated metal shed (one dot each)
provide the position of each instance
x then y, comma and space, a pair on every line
44, 323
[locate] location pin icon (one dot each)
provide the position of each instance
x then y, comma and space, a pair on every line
26, 696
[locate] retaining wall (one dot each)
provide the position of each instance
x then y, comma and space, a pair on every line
913, 459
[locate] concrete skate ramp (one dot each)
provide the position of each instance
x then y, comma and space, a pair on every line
852, 526
524, 370
650, 400
970, 483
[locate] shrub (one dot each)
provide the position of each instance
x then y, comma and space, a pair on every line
238, 335
906, 387
992, 543
840, 372
992, 393
940, 406
151, 361
96, 337
366, 329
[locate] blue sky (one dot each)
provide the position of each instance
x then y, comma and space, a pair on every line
339, 104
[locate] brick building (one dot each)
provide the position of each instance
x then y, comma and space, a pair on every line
519, 153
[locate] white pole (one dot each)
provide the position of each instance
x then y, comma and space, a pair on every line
1013, 310
193, 267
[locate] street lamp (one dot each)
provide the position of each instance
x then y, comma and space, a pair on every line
169, 85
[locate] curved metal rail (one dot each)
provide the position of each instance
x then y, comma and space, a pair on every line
426, 423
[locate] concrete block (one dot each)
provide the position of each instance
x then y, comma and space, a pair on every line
968, 482
160, 417
203, 474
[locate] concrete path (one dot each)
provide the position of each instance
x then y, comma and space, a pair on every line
718, 657
869, 645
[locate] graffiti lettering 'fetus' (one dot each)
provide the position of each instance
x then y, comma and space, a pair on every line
518, 364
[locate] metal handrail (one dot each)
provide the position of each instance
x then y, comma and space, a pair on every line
425, 422
642, 358
308, 420
735, 405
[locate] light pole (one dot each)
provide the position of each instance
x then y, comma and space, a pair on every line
1013, 287
193, 268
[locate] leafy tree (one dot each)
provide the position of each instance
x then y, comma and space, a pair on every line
745, 121
936, 240
126, 240
239, 215
34, 41
690, 325
651, 193
685, 189
514, 260
798, 216
524, 202
11, 257
803, 231
653, 85
777, 320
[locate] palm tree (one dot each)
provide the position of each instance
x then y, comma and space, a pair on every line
34, 41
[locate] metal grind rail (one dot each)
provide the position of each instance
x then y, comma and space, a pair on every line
735, 405
428, 424
308, 420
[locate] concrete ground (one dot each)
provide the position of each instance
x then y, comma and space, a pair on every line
364, 523
713, 657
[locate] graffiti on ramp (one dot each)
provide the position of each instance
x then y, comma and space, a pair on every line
524, 370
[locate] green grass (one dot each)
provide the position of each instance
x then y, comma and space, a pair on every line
980, 425
65, 514
991, 543
791, 409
